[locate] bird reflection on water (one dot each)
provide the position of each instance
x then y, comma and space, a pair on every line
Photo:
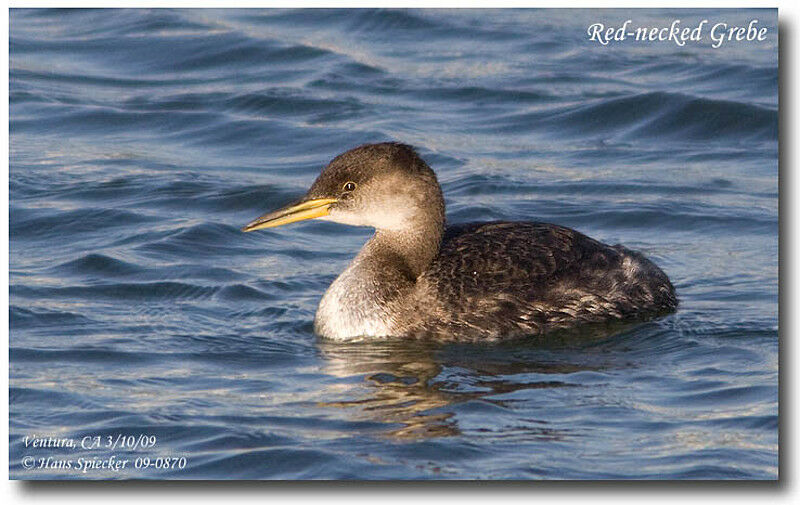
415, 384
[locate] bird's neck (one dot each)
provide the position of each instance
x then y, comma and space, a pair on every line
369, 298
410, 252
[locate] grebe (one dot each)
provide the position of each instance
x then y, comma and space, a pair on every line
472, 282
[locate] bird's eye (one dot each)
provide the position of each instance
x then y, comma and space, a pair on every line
349, 186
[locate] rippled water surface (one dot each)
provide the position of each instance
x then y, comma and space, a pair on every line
141, 141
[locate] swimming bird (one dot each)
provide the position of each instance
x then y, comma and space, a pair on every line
418, 278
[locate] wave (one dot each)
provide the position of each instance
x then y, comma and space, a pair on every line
153, 291
41, 224
91, 23
99, 264
20, 317
654, 116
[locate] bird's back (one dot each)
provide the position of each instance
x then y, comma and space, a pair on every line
509, 279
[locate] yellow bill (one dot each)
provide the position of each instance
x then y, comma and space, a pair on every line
308, 209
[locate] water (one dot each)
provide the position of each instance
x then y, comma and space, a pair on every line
141, 141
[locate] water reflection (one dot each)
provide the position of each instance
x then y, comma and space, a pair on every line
417, 385
401, 386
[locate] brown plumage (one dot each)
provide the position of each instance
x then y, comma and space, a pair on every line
524, 278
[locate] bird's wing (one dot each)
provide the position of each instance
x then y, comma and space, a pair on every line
519, 274
514, 255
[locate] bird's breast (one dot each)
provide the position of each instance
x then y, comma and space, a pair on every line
351, 309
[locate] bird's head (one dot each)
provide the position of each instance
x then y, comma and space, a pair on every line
386, 186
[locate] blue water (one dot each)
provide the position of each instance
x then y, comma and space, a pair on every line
141, 141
